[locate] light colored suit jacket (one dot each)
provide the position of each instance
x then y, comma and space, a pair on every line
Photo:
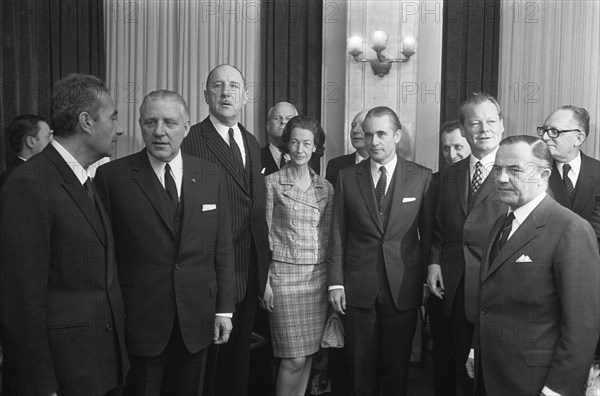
539, 305
299, 221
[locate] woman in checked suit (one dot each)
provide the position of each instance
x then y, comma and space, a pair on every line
298, 215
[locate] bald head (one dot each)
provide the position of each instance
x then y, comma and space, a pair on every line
357, 135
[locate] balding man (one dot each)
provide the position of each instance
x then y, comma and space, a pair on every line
357, 138
222, 140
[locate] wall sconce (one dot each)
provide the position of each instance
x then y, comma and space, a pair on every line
381, 66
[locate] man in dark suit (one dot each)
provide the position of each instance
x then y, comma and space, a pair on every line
564, 131
271, 157
221, 139
28, 135
61, 311
467, 206
380, 234
174, 252
357, 138
539, 297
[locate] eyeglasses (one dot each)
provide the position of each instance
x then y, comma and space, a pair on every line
553, 132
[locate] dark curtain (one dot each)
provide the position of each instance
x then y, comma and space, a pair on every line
42, 42
470, 52
291, 54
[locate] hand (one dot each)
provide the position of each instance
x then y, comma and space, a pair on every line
266, 302
337, 299
470, 366
434, 277
223, 329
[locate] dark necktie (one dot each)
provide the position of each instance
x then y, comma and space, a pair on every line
503, 237
380, 187
170, 186
477, 178
567, 182
89, 190
282, 161
235, 150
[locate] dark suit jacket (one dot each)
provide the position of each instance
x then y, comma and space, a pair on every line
537, 317
587, 187
247, 206
358, 239
61, 311
165, 275
336, 164
10, 167
460, 236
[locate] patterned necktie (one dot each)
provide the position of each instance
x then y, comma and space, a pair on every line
567, 181
380, 187
89, 190
235, 150
170, 186
477, 177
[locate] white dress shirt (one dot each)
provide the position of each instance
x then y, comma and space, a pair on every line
575, 169
358, 158
487, 162
176, 165
223, 130
390, 167
276, 154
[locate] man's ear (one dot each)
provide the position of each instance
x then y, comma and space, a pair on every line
29, 141
398, 136
85, 121
187, 128
545, 175
580, 138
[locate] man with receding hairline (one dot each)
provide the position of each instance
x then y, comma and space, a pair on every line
380, 235
222, 140
539, 300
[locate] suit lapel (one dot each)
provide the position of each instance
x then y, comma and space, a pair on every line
109, 239
558, 189
145, 178
486, 188
221, 151
402, 188
365, 185
526, 232
462, 183
77, 192
190, 183
586, 182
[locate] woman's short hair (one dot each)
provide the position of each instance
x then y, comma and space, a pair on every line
308, 123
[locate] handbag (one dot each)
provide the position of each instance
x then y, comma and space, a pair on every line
333, 336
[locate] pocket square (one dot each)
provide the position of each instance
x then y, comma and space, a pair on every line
410, 199
524, 259
207, 207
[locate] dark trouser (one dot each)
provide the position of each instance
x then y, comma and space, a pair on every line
462, 334
379, 343
175, 371
228, 364
444, 367
261, 378
339, 374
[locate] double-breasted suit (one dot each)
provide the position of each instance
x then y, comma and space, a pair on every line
378, 256
539, 305
61, 311
169, 271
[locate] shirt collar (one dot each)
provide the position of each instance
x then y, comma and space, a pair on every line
575, 166
389, 167
22, 158
358, 158
223, 129
522, 212
275, 153
176, 165
80, 172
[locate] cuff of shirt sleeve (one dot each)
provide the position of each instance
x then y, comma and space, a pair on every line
549, 392
335, 287
225, 315
471, 354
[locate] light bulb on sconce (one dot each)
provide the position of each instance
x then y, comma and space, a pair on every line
382, 65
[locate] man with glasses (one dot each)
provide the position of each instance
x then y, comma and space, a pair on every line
575, 178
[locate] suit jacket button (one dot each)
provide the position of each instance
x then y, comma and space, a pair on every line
484, 311
177, 267
295, 207
108, 328
380, 213
460, 268
316, 210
